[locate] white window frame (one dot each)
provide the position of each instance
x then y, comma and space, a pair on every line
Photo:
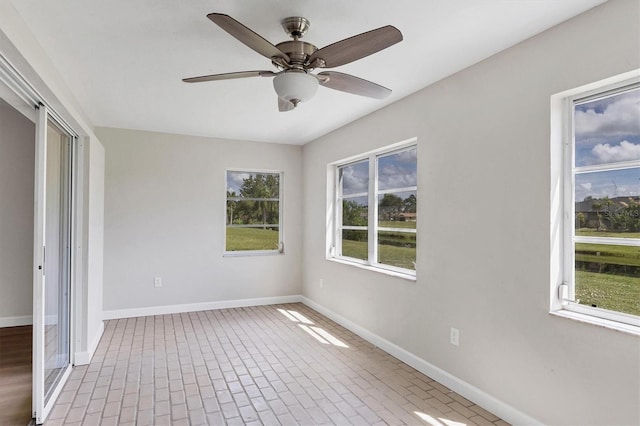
240, 253
335, 227
563, 172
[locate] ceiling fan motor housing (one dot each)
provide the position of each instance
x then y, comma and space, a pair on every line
298, 51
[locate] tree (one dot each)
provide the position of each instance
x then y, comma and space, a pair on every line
390, 206
353, 214
627, 217
231, 204
261, 187
409, 204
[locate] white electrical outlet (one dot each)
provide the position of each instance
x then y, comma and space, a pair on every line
321, 283
454, 336
157, 282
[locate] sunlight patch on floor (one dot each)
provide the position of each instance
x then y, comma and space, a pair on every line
288, 315
437, 422
320, 334
328, 336
301, 317
313, 334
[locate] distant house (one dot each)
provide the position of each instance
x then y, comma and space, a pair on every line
406, 217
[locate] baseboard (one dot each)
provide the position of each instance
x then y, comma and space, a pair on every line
194, 307
472, 393
84, 358
16, 321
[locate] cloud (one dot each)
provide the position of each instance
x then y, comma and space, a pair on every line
619, 116
355, 178
612, 184
407, 157
626, 151
396, 176
398, 170
586, 185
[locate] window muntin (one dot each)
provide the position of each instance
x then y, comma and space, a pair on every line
376, 210
603, 273
253, 212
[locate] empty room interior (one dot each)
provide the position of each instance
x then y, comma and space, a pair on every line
248, 213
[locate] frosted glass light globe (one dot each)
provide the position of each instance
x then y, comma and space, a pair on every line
295, 86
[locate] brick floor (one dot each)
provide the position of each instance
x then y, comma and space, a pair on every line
265, 365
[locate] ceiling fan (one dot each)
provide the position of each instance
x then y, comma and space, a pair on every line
295, 59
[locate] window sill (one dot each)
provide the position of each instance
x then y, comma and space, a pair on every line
251, 253
600, 322
408, 277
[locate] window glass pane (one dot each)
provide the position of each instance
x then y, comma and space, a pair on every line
607, 130
397, 249
397, 210
253, 185
354, 244
395, 189
355, 211
253, 211
398, 170
239, 239
608, 203
355, 178
244, 212
608, 277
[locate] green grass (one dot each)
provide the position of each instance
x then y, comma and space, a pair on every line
401, 257
602, 253
355, 249
613, 292
586, 232
241, 239
397, 224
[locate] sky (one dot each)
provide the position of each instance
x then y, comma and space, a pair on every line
235, 180
607, 130
397, 170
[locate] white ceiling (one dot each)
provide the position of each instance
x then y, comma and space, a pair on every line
124, 60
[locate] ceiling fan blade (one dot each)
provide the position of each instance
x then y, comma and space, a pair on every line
357, 47
351, 84
247, 36
229, 76
284, 105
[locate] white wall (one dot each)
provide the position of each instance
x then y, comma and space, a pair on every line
17, 143
483, 243
165, 215
89, 298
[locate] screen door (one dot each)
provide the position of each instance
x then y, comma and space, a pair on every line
52, 255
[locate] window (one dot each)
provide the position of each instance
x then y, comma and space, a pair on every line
601, 271
374, 210
253, 212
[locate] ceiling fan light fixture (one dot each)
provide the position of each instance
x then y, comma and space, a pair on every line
295, 86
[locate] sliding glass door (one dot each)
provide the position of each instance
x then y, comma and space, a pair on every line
52, 279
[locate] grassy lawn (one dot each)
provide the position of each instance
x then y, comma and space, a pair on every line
602, 253
239, 239
585, 232
613, 292
401, 257
397, 224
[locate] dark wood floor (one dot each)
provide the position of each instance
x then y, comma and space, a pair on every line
15, 375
